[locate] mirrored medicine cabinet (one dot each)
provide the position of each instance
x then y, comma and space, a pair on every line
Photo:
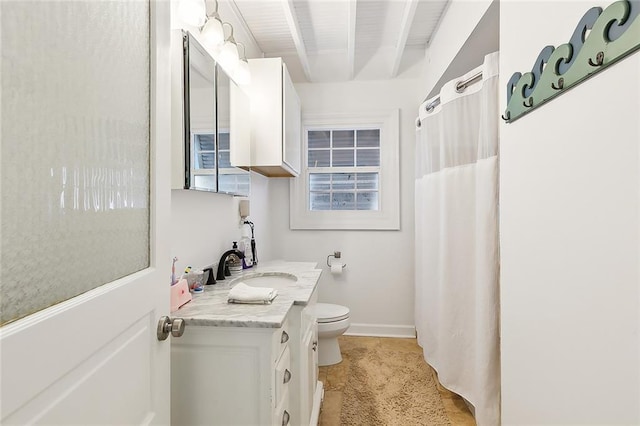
206, 123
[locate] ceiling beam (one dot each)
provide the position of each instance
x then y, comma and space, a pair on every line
405, 26
292, 21
351, 39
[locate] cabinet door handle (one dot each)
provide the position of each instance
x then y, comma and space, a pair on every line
284, 338
285, 418
287, 376
315, 345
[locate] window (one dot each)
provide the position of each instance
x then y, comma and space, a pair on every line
344, 169
350, 173
203, 170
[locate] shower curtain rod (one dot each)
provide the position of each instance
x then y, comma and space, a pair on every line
460, 87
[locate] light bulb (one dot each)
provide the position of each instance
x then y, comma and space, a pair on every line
228, 56
213, 33
193, 12
242, 73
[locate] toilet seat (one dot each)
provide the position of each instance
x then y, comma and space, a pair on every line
328, 313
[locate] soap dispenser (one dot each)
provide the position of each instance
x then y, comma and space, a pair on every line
234, 262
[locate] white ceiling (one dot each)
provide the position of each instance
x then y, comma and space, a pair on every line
339, 40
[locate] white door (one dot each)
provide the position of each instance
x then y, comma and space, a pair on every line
95, 359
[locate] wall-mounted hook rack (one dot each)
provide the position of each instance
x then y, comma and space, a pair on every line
601, 38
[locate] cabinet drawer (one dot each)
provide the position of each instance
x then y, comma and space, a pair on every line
281, 340
282, 413
283, 376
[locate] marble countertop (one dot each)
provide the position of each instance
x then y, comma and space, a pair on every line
210, 308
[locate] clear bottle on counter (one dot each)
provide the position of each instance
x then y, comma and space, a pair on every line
245, 243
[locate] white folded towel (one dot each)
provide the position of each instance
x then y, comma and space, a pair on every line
242, 293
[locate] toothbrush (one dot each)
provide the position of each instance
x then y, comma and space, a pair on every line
186, 271
173, 271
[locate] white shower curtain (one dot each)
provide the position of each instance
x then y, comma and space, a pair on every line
457, 259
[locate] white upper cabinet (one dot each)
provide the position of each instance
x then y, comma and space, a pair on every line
274, 118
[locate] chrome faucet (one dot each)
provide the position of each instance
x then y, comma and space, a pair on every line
223, 269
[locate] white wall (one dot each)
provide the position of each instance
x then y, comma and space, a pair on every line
569, 185
204, 224
377, 284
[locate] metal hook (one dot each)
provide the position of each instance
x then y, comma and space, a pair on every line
530, 104
599, 60
508, 116
560, 85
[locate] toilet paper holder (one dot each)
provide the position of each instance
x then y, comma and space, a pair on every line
336, 255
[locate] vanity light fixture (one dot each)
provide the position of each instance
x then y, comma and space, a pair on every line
228, 53
193, 12
213, 32
224, 49
242, 73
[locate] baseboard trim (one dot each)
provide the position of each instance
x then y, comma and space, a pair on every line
381, 330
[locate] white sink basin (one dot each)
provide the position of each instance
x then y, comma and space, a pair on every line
272, 280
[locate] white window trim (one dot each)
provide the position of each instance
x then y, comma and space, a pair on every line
388, 215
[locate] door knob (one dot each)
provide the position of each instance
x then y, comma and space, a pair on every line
167, 326
177, 327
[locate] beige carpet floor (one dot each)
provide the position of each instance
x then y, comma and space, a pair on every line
385, 381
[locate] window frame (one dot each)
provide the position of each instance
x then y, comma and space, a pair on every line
387, 217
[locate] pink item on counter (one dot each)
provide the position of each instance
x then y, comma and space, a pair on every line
179, 294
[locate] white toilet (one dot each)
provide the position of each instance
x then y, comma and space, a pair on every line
333, 321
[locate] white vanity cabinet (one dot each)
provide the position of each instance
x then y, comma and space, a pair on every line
274, 119
249, 364
232, 376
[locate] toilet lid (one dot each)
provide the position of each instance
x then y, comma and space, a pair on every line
326, 312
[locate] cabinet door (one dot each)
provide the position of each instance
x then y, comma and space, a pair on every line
313, 365
281, 414
291, 124
177, 112
265, 94
240, 127
309, 372
233, 135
